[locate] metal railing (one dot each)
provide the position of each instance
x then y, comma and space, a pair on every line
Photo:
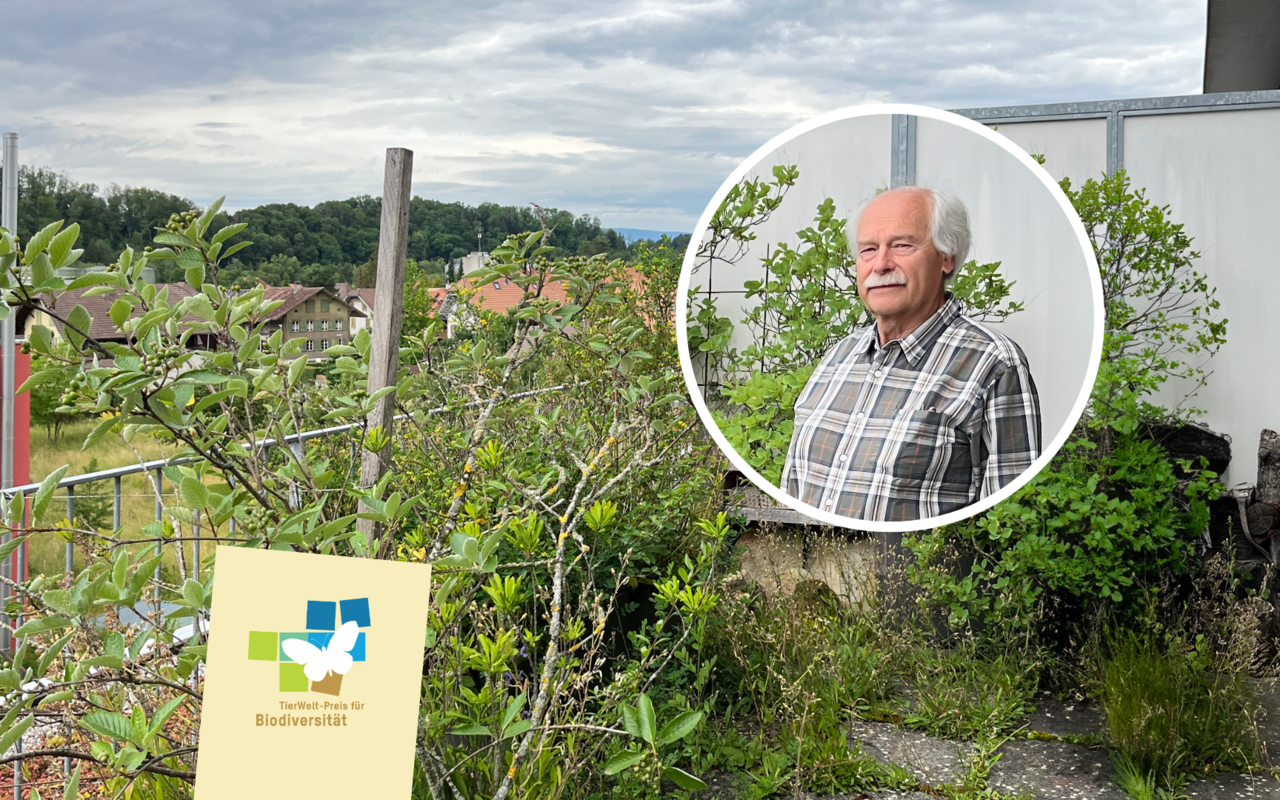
13, 570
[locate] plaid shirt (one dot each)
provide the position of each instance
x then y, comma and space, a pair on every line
924, 425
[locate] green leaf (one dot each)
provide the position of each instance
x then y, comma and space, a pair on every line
120, 311
45, 493
513, 709
518, 727
78, 324
10, 546
680, 727
227, 232
683, 779
295, 369
194, 493
646, 718
631, 720
473, 729
110, 724
193, 593
12, 735
161, 717
72, 791
41, 240
60, 252
99, 431
43, 625
55, 650
621, 761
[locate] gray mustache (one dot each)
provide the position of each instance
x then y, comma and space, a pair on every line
894, 278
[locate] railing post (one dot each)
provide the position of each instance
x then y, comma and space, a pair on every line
115, 509
70, 556
71, 520
6, 572
24, 523
159, 484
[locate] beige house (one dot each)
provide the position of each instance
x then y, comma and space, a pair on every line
315, 313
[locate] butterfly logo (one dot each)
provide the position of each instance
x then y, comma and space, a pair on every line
320, 661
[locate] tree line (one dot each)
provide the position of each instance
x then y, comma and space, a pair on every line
333, 241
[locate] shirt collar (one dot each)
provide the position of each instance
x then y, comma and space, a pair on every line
917, 343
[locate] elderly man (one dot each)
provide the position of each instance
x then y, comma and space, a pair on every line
925, 411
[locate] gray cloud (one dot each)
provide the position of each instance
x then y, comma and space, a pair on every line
634, 111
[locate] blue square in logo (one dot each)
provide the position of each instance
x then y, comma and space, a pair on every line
319, 638
320, 614
357, 652
357, 610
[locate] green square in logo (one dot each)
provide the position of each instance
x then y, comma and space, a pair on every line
293, 679
283, 636
262, 645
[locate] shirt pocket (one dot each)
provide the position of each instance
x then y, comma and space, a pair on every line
930, 448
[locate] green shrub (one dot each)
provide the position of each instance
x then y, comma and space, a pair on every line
1093, 530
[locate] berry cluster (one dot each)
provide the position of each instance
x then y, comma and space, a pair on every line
78, 390
161, 361
179, 223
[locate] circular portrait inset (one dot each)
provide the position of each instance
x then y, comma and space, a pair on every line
892, 318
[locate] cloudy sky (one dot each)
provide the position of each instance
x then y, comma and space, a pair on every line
634, 111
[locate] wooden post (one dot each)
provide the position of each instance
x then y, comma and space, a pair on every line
388, 308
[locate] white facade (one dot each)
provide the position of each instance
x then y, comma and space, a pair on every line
1212, 159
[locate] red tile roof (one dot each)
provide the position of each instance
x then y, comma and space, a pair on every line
99, 307
293, 296
504, 295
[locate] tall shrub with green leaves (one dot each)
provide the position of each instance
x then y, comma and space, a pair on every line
1111, 514
532, 473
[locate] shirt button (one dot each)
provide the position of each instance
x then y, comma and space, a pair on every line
844, 458
828, 505
879, 373
858, 415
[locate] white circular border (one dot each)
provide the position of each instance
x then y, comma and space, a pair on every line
682, 317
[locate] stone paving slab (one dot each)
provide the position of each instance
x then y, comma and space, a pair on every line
1070, 718
1236, 787
1054, 771
930, 760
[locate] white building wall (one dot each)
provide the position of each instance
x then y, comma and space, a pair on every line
1218, 172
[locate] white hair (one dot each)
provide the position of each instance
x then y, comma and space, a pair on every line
948, 223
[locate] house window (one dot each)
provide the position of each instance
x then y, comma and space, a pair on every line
338, 340
337, 324
295, 326
324, 306
311, 345
311, 325
324, 344
311, 306
497, 285
324, 324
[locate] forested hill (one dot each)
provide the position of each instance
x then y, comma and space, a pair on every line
319, 245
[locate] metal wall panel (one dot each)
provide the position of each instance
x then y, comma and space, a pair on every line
1219, 172
1017, 221
1075, 149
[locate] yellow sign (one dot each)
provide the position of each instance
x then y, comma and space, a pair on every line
313, 678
